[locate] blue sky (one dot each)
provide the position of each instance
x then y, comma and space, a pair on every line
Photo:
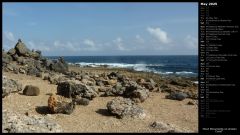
76, 29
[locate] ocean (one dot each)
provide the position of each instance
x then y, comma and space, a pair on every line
180, 65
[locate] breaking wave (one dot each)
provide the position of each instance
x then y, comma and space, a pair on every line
155, 68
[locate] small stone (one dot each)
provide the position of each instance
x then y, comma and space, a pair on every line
177, 96
82, 101
30, 90
190, 103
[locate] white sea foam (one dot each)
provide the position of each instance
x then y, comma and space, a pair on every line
136, 67
184, 72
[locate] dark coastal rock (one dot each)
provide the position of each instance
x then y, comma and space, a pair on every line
12, 51
59, 66
32, 71
140, 95
35, 54
15, 56
117, 90
125, 107
82, 101
59, 104
20, 60
136, 92
72, 89
46, 63
177, 96
20, 123
115, 75
55, 78
6, 58
10, 86
21, 49
30, 90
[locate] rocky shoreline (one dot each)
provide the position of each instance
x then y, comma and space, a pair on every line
78, 87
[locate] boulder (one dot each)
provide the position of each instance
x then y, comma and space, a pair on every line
125, 107
72, 89
15, 56
140, 95
12, 51
21, 49
32, 71
6, 58
60, 104
136, 92
54, 78
10, 86
31, 90
20, 123
59, 66
117, 90
177, 96
20, 60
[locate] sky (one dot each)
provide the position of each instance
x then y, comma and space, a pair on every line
102, 29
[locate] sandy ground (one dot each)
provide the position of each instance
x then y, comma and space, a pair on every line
94, 117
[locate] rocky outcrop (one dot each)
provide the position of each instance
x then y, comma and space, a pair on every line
125, 107
59, 66
30, 90
10, 86
31, 60
60, 104
21, 49
20, 123
6, 58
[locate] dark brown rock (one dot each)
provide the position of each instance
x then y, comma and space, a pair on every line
31, 90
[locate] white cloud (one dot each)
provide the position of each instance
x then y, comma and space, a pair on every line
9, 36
58, 44
191, 42
139, 39
119, 44
159, 34
38, 46
89, 42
